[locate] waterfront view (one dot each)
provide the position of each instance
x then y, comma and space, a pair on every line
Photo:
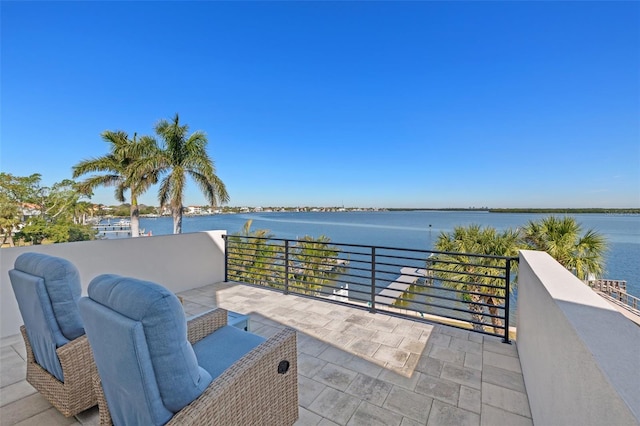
417, 230
345, 213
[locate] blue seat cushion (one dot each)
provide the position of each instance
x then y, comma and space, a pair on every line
62, 283
118, 344
42, 329
219, 350
179, 377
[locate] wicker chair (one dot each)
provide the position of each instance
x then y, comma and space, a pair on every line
60, 365
259, 388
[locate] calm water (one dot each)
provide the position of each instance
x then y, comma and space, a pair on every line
418, 230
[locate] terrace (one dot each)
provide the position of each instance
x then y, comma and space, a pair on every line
566, 366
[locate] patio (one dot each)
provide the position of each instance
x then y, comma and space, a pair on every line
355, 368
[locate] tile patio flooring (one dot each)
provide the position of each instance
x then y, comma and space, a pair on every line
355, 368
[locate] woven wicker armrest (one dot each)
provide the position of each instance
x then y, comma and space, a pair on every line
74, 354
76, 393
259, 389
203, 325
76, 359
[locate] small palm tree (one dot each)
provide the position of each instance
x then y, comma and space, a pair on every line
475, 277
181, 156
253, 258
316, 264
80, 210
562, 238
122, 170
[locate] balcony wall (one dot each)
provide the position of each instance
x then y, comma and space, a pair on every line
178, 262
580, 357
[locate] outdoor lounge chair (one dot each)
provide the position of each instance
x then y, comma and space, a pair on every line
156, 369
59, 360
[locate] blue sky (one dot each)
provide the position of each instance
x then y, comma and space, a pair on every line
399, 104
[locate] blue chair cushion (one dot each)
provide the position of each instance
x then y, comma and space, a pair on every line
221, 349
62, 283
180, 379
129, 384
42, 329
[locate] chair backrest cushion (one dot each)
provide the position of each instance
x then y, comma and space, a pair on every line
42, 328
179, 378
130, 387
62, 283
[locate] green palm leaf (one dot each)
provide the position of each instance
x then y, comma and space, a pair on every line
181, 157
122, 168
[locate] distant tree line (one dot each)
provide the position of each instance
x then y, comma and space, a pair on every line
529, 210
33, 213
569, 211
124, 210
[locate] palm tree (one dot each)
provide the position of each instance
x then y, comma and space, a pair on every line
476, 278
80, 211
179, 157
316, 264
562, 238
253, 257
122, 170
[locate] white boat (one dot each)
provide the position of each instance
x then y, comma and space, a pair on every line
342, 294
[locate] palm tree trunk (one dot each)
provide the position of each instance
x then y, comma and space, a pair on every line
135, 217
476, 312
177, 219
496, 322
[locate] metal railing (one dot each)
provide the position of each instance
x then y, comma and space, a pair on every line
463, 290
616, 290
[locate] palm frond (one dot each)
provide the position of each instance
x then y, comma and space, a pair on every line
164, 191
121, 165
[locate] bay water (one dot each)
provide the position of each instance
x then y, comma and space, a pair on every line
417, 230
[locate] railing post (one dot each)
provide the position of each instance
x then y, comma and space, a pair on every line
506, 301
372, 309
226, 257
286, 266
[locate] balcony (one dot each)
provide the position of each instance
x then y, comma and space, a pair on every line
566, 365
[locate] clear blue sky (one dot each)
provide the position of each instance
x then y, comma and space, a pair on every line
399, 104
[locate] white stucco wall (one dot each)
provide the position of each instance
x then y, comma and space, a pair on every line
178, 262
580, 357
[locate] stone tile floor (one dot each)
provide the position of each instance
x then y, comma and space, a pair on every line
355, 368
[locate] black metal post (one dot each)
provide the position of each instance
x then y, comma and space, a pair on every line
372, 309
506, 301
286, 266
226, 257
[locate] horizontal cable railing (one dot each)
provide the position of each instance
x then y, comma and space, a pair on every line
464, 290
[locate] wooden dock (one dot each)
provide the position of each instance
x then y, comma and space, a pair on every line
395, 290
615, 291
114, 228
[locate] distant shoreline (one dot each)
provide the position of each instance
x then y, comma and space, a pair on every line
630, 211
309, 209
